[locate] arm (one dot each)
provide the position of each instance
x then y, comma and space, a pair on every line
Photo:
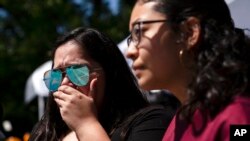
91, 131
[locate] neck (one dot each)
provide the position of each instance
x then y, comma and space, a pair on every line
180, 93
179, 89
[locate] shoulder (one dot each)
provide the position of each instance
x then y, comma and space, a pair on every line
237, 112
153, 119
152, 124
154, 112
218, 128
149, 123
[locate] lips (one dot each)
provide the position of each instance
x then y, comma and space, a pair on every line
137, 70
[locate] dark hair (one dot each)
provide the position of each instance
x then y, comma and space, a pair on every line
221, 60
122, 94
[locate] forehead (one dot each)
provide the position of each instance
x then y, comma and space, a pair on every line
69, 48
144, 11
69, 53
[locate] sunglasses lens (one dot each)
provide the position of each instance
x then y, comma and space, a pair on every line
53, 79
79, 75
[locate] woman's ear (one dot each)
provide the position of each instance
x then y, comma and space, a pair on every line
191, 30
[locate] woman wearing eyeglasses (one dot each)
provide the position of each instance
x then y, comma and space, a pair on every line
94, 95
193, 49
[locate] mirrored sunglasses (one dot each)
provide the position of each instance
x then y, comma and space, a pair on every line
77, 74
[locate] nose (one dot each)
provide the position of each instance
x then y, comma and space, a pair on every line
65, 80
132, 52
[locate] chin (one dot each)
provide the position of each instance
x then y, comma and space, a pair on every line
144, 85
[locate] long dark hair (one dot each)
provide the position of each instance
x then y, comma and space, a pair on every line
122, 94
221, 60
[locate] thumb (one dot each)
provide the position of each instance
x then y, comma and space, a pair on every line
93, 88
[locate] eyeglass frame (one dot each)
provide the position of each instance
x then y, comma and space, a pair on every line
130, 37
63, 71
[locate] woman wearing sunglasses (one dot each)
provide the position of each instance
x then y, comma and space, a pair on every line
94, 95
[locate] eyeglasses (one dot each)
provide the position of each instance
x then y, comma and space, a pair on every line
135, 35
77, 74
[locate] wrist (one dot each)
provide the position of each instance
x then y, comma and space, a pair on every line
91, 130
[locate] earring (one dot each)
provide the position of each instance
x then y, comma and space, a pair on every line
186, 57
181, 52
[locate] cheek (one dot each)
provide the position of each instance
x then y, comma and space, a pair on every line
99, 92
169, 48
165, 57
99, 100
169, 60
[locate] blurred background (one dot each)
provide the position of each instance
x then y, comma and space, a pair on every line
28, 29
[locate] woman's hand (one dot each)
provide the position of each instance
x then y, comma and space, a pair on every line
76, 108
79, 112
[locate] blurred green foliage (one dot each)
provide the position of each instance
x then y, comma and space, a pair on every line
28, 29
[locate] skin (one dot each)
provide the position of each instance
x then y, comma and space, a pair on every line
71, 99
156, 61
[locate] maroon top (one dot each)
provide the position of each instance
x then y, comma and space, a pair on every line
218, 128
